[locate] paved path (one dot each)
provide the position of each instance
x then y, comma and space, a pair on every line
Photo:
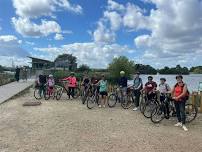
9, 90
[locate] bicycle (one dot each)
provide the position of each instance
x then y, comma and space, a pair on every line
158, 113
55, 93
149, 105
38, 93
84, 93
117, 96
65, 89
93, 97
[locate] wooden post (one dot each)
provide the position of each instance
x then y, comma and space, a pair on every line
193, 98
201, 101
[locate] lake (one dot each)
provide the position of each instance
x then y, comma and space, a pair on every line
191, 80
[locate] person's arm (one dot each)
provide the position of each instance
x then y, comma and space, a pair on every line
67, 78
183, 93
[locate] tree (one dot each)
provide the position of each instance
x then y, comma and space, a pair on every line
83, 68
121, 64
67, 60
175, 70
145, 69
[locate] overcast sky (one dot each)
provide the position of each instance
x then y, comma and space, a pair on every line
156, 32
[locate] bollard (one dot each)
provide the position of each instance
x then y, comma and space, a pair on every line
201, 101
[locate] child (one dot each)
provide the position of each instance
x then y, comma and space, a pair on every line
51, 84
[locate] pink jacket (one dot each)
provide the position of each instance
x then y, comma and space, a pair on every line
72, 81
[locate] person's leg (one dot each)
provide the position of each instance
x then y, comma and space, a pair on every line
72, 93
177, 107
69, 92
182, 112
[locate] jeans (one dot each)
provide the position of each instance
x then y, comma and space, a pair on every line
123, 93
71, 92
180, 111
137, 94
42, 89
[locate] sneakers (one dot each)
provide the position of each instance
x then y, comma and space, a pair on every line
184, 128
100, 106
103, 106
135, 109
179, 124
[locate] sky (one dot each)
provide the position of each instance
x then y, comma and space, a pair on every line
155, 32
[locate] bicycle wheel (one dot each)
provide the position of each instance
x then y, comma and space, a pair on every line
59, 93
76, 93
47, 94
37, 94
91, 102
112, 100
157, 114
191, 112
148, 108
142, 105
128, 103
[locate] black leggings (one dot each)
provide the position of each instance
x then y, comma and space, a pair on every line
71, 92
166, 110
180, 110
137, 94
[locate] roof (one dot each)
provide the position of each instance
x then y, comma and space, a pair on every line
39, 59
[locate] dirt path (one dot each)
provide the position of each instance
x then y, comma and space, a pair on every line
68, 126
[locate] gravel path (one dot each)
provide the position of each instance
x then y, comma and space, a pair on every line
68, 126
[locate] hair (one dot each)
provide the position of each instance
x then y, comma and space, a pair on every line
150, 77
164, 79
179, 76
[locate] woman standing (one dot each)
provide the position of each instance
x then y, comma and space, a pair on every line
180, 96
103, 91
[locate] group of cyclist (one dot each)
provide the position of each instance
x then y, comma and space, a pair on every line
179, 92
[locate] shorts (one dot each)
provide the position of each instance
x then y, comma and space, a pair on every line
103, 93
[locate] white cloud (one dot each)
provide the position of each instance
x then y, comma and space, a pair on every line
58, 36
94, 54
27, 28
112, 5
114, 18
38, 8
10, 46
102, 34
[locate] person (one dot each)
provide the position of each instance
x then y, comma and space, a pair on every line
150, 88
51, 83
24, 74
72, 84
180, 94
137, 84
17, 74
123, 83
164, 88
42, 84
94, 81
85, 81
103, 91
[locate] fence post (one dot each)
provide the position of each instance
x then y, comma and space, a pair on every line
201, 101
194, 95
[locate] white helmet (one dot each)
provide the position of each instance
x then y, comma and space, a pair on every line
50, 76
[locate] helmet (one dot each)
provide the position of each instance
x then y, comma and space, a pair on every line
138, 73
150, 77
50, 76
122, 72
164, 79
72, 73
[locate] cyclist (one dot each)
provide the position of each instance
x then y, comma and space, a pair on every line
51, 83
150, 88
103, 91
94, 81
180, 95
137, 84
163, 89
42, 83
72, 84
123, 83
85, 81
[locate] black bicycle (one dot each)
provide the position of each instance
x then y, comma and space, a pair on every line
117, 96
93, 97
159, 112
86, 90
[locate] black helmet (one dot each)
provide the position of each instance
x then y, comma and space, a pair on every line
150, 77
179, 76
164, 79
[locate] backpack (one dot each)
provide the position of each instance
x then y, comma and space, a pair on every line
186, 97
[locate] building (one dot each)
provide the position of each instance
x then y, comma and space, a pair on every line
39, 64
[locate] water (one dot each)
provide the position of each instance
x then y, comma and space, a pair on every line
191, 80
